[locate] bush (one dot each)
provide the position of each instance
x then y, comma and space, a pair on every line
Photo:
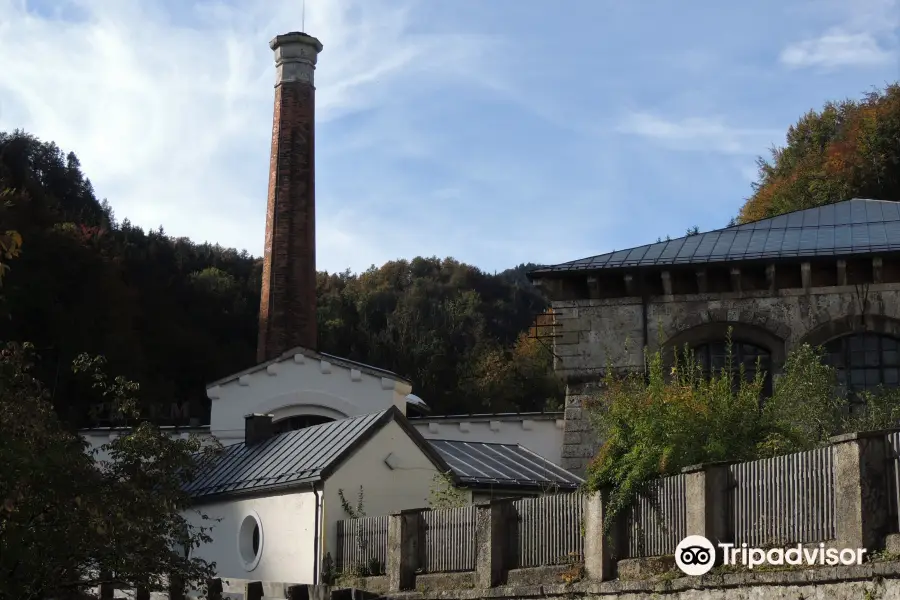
656, 422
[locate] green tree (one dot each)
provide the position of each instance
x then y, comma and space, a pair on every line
173, 315
67, 523
848, 149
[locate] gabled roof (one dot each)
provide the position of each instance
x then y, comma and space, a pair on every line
842, 229
295, 458
312, 355
476, 464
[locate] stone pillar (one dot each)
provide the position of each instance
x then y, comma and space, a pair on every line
492, 521
579, 441
599, 550
287, 312
701, 281
253, 590
771, 281
861, 501
667, 282
106, 589
176, 588
706, 497
736, 280
403, 549
214, 589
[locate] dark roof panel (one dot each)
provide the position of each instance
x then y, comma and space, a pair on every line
507, 465
851, 227
293, 457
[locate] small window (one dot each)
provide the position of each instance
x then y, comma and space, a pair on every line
250, 541
864, 361
713, 358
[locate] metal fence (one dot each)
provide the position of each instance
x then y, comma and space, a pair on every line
362, 541
549, 530
449, 543
784, 500
658, 519
893, 451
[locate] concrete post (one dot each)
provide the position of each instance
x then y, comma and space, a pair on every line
403, 550
599, 550
176, 588
492, 522
297, 592
861, 501
253, 590
106, 589
706, 498
214, 589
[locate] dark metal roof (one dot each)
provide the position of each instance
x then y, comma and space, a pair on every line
292, 458
507, 465
845, 228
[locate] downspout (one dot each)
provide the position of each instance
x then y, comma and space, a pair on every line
317, 536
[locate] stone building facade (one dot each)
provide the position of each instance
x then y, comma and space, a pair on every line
826, 276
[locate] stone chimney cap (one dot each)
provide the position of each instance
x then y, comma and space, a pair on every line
295, 37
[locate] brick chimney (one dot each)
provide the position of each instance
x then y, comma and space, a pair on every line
257, 428
287, 312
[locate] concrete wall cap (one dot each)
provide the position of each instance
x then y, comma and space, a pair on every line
861, 435
708, 465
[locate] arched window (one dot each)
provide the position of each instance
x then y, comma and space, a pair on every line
299, 422
865, 361
713, 357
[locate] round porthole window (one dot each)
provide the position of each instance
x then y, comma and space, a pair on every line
250, 541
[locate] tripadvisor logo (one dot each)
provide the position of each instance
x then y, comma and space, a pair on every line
695, 555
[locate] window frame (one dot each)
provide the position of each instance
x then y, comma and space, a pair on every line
738, 357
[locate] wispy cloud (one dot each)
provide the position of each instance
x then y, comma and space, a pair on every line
862, 34
493, 132
837, 49
170, 109
705, 134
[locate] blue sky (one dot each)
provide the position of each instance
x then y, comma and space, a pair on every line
493, 131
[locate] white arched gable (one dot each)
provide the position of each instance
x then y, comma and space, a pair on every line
307, 402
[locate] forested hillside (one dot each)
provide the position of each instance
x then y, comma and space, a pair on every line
175, 315
848, 149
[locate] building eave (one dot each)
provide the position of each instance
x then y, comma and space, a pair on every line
306, 353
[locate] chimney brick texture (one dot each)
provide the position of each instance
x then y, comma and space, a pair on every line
287, 313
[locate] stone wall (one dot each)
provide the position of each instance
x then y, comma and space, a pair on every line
867, 582
592, 333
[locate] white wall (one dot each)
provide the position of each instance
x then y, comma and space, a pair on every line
97, 438
300, 386
384, 490
542, 434
288, 532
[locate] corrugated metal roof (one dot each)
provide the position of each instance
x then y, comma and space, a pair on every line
294, 457
845, 228
510, 465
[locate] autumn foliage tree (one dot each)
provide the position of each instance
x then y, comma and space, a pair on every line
849, 149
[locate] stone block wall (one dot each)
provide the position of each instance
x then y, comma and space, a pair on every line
593, 333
